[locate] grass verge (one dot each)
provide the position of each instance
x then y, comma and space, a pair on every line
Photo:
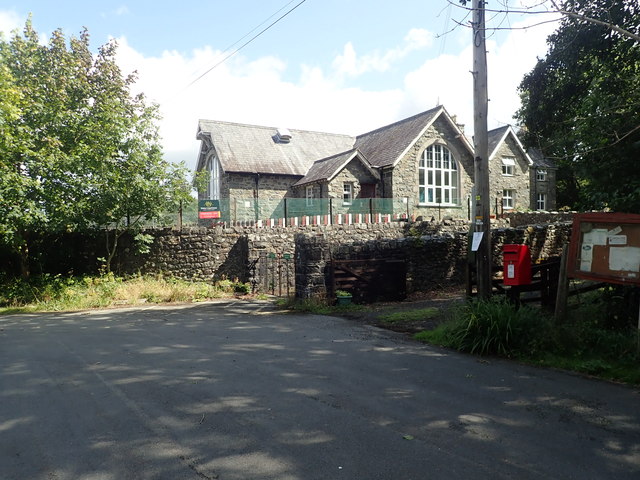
58, 293
584, 343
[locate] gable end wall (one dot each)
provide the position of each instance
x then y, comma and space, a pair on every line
520, 181
404, 179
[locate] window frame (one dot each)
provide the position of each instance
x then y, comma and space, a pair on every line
508, 166
309, 195
214, 185
541, 175
438, 177
508, 199
541, 199
347, 193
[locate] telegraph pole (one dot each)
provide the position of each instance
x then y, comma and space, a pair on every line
481, 202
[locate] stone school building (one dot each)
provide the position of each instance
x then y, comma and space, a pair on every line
421, 166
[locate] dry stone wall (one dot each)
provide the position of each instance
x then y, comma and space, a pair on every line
436, 254
284, 260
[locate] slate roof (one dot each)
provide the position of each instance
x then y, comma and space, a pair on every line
255, 149
495, 138
539, 160
499, 135
327, 168
386, 145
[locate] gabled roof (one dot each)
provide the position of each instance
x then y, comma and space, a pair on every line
256, 149
386, 145
327, 168
498, 136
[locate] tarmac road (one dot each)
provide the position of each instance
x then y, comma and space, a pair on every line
236, 390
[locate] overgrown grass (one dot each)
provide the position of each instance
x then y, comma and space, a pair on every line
583, 343
58, 293
493, 327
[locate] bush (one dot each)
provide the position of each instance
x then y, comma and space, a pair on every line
492, 327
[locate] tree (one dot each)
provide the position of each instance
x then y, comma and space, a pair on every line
83, 153
581, 105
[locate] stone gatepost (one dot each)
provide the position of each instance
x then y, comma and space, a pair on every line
311, 257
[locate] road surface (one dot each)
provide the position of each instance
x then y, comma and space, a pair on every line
236, 390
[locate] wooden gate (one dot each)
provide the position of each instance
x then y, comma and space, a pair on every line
369, 280
273, 273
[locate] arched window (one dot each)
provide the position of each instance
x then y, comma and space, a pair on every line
438, 177
213, 186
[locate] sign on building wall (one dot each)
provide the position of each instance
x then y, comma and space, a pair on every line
208, 209
605, 247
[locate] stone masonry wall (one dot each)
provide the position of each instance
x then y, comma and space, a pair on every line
354, 173
436, 254
546, 186
281, 260
519, 182
405, 174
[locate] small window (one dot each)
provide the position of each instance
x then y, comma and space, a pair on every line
508, 165
347, 194
507, 199
309, 195
541, 175
541, 201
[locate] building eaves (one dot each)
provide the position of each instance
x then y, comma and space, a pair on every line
324, 170
385, 146
499, 135
539, 160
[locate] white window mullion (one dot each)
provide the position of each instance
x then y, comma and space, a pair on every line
438, 176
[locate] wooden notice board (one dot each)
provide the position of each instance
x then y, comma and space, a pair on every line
605, 247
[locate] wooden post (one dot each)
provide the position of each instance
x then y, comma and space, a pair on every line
330, 211
481, 219
285, 212
563, 287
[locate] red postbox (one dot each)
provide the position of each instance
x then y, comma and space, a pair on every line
517, 264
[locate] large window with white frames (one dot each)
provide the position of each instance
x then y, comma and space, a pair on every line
438, 177
215, 171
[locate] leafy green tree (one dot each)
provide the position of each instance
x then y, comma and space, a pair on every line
581, 105
80, 151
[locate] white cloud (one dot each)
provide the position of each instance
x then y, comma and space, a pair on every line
255, 91
10, 21
351, 65
248, 92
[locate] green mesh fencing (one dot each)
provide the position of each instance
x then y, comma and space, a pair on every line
242, 210
249, 210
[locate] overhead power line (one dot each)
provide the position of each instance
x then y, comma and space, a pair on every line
231, 54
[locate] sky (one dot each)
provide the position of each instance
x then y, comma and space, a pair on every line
340, 66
